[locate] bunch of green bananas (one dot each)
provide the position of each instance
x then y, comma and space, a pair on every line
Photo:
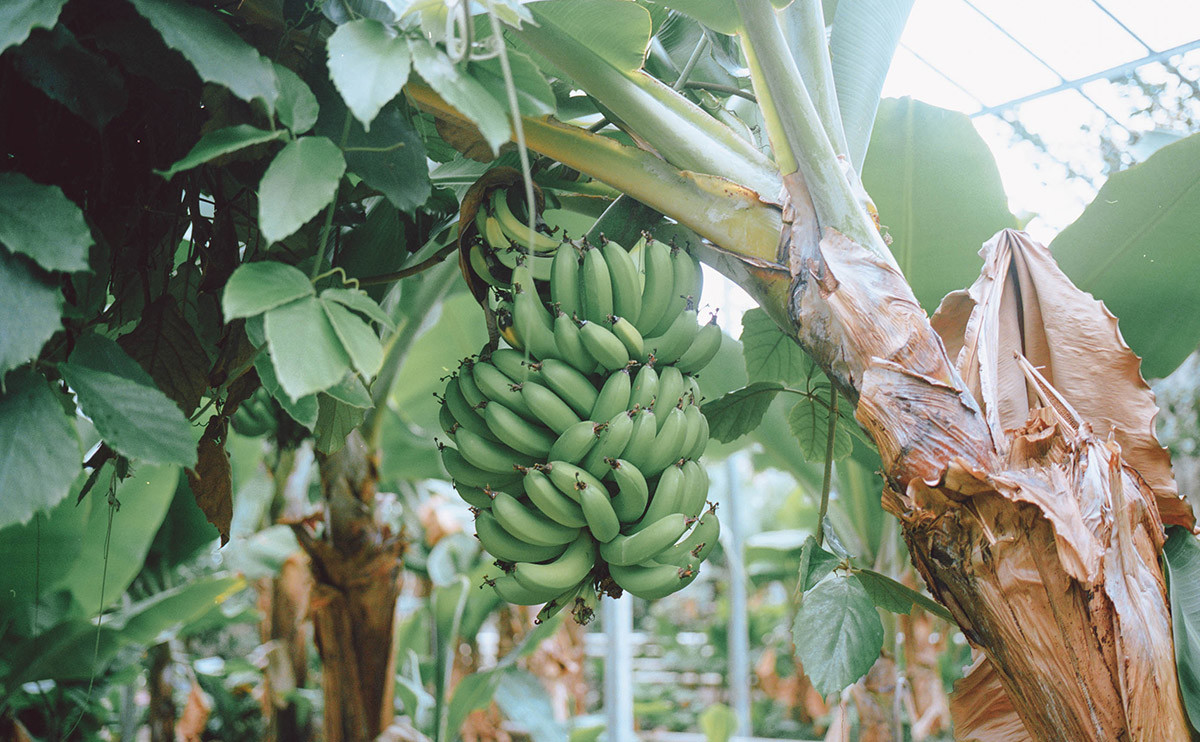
578, 447
504, 238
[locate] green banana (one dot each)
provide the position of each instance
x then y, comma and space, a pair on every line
466, 383
511, 591
670, 389
624, 331
645, 387
553, 412
694, 425
563, 600
694, 492
446, 420
693, 389
570, 479
529, 525
507, 547
564, 280
611, 443
675, 340
659, 282
570, 345
666, 498
701, 441
684, 270
574, 388
515, 430
530, 319
514, 364
653, 581
551, 501
574, 442
516, 230
572, 566
626, 286
464, 414
603, 345
596, 286
668, 443
645, 544
641, 440
494, 235
632, 490
613, 397
584, 608
474, 496
498, 387
480, 264
697, 545
598, 510
703, 349
488, 455
463, 472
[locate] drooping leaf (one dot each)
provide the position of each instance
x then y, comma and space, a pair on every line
534, 96
296, 106
335, 421
255, 288
359, 340
305, 349
770, 354
298, 183
864, 38
369, 64
302, 410
1181, 555
221, 142
29, 312
838, 634
523, 698
938, 192
41, 222
212, 478
39, 450
159, 616
144, 499
129, 411
463, 92
217, 53
1134, 248
19, 17
166, 345
809, 421
740, 411
895, 596
406, 454
815, 563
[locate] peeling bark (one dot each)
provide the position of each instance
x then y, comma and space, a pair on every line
1037, 534
356, 568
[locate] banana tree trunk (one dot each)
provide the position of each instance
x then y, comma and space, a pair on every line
356, 567
1038, 536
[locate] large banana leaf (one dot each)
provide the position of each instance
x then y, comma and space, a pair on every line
1137, 248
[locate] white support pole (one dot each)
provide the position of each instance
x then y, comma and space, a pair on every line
618, 669
739, 623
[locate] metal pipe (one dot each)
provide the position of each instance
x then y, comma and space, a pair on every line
739, 623
618, 669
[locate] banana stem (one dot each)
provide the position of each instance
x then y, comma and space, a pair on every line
802, 131
828, 479
804, 25
701, 46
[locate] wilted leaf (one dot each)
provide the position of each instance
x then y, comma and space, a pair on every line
1072, 338
212, 479
981, 708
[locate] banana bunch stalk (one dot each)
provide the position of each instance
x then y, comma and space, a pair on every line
578, 447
